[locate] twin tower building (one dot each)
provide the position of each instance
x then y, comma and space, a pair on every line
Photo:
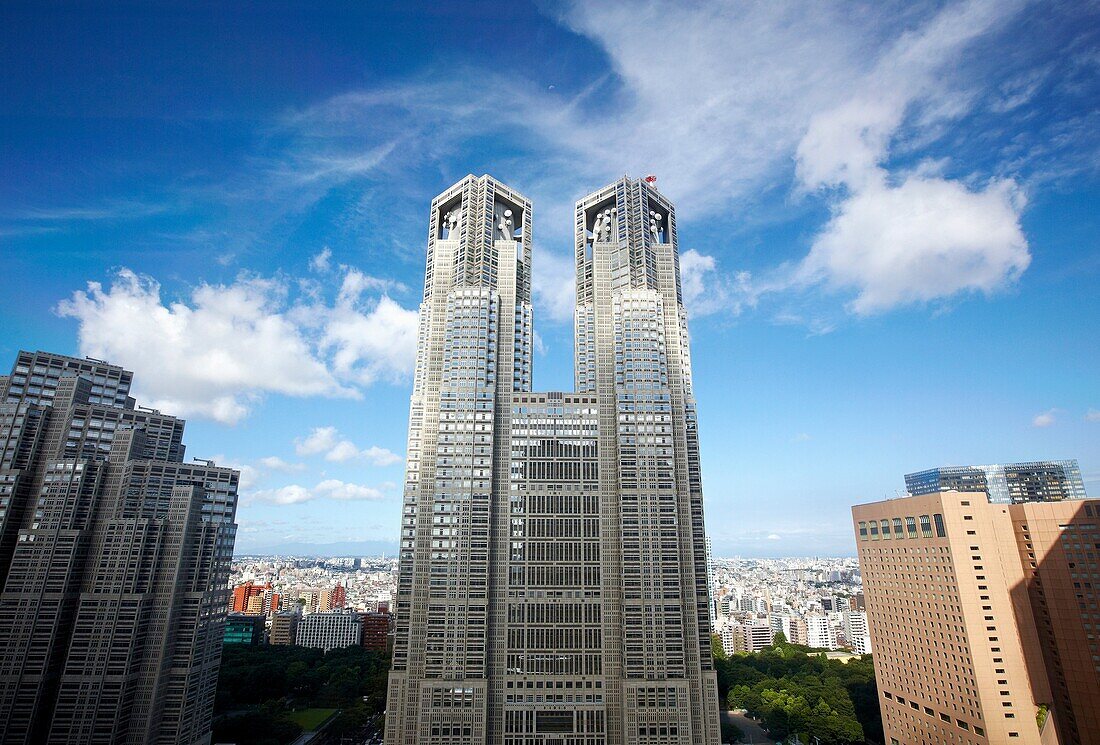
553, 571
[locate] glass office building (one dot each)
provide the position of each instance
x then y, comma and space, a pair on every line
1011, 483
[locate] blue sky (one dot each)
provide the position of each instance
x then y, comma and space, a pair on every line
888, 216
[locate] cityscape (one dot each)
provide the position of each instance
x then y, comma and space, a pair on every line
587, 375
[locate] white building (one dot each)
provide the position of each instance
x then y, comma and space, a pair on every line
329, 630
855, 630
819, 633
780, 625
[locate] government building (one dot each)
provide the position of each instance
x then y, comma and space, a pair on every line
553, 575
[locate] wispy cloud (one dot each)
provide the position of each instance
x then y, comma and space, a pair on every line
1045, 419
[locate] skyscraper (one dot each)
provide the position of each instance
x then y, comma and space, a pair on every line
1011, 483
553, 570
983, 617
114, 562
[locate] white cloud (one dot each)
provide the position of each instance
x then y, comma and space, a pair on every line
322, 261
217, 353
327, 489
319, 440
1092, 415
327, 440
923, 240
920, 237
801, 437
275, 463
716, 98
706, 290
774, 537
1045, 419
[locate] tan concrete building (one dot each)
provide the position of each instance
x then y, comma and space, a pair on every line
980, 625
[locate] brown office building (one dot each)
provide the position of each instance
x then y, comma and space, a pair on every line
983, 618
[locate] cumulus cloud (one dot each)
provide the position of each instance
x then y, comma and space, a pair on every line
327, 489
1045, 419
925, 239
774, 537
918, 237
215, 354
327, 441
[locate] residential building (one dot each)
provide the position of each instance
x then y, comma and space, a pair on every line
242, 628
982, 616
780, 625
800, 633
284, 628
375, 630
1011, 483
819, 633
855, 631
553, 571
758, 635
114, 562
327, 630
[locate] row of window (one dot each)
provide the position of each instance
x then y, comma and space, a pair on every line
893, 528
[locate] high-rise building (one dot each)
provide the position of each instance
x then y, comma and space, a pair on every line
983, 617
553, 569
114, 562
1012, 483
332, 629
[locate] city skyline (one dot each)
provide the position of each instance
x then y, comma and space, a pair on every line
252, 193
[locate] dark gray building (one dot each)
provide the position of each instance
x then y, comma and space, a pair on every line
1011, 483
114, 562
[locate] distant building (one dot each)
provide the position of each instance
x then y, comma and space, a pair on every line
1012, 483
780, 625
243, 595
980, 614
114, 561
819, 633
799, 632
758, 635
330, 630
855, 631
375, 630
284, 628
242, 628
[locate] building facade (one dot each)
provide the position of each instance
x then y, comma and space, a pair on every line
327, 630
553, 574
1012, 483
244, 628
114, 562
284, 628
855, 631
983, 617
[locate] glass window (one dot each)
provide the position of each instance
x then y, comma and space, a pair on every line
911, 526
862, 530
926, 526
885, 527
897, 527
941, 532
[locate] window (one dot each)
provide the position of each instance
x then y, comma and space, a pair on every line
926, 526
941, 532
